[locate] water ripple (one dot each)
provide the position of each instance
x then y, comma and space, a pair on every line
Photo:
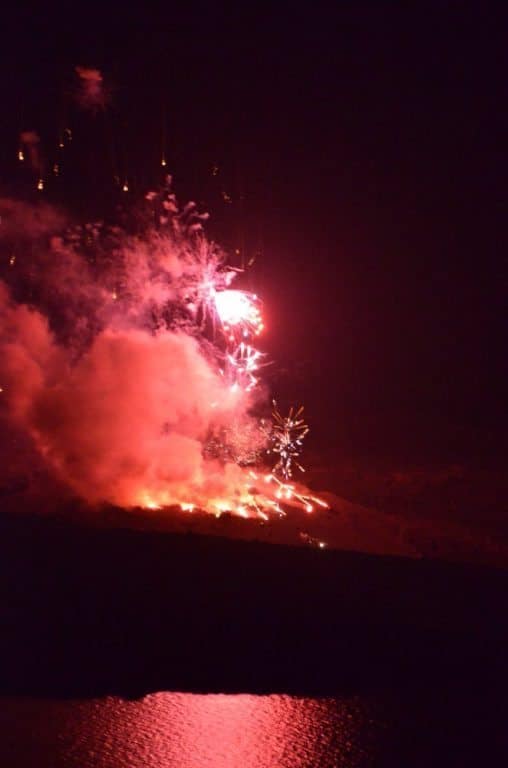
189, 731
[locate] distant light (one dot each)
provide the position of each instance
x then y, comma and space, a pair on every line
163, 162
56, 169
40, 184
125, 187
21, 155
12, 260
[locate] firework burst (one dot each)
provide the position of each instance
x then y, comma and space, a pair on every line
159, 349
235, 318
287, 436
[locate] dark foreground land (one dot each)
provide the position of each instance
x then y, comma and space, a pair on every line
89, 612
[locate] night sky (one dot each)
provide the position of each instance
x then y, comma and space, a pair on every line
364, 151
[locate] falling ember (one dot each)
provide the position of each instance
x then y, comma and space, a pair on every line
256, 497
21, 155
40, 185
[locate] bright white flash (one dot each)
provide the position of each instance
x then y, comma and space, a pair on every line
236, 308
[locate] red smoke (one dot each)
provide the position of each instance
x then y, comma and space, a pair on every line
91, 93
119, 408
127, 421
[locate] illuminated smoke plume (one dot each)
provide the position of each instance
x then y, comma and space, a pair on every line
91, 93
131, 363
126, 422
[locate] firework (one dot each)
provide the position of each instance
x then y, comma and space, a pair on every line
159, 342
162, 356
287, 436
242, 365
239, 313
236, 321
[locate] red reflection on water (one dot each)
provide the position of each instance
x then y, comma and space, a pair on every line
229, 730
241, 731
186, 731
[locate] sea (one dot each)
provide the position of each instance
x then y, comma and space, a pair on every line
188, 730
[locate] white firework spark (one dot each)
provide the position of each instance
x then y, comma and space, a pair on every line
287, 436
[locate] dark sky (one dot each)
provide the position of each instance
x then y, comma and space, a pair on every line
368, 144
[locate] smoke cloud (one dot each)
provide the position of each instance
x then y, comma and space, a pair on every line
91, 93
106, 362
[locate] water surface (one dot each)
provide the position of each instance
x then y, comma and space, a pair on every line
188, 730
408, 728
